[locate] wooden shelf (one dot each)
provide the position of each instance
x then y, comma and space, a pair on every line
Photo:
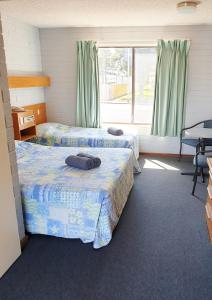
27, 137
210, 191
209, 223
209, 200
28, 81
210, 163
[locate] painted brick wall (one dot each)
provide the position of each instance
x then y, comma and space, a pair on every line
23, 56
59, 57
9, 126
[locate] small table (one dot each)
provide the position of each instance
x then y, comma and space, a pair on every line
24, 125
197, 133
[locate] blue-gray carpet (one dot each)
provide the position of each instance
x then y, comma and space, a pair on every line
160, 249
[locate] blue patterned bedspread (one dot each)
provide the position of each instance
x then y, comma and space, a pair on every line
54, 134
67, 202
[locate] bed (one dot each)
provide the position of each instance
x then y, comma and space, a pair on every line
56, 134
66, 202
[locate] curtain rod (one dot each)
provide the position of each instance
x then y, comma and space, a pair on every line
126, 43
136, 42
172, 39
142, 41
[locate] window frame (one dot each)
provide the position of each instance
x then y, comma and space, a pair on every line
133, 83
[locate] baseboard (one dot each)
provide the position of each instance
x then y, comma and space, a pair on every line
173, 155
24, 241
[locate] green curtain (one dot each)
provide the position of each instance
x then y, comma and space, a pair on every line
170, 87
88, 103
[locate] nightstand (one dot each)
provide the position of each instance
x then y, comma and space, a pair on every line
24, 125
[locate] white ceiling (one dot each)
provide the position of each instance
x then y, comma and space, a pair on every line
85, 13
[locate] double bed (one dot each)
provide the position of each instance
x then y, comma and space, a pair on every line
67, 202
55, 134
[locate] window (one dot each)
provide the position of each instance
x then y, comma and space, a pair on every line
127, 78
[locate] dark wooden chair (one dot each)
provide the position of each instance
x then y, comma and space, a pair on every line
193, 141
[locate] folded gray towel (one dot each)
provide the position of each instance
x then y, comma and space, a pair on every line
96, 160
83, 163
115, 131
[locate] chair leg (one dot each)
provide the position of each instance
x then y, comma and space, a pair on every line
195, 180
180, 153
203, 175
194, 176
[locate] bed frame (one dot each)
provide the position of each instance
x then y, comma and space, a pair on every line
39, 112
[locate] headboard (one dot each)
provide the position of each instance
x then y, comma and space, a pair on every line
39, 112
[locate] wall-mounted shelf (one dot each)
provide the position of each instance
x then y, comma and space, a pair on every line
28, 81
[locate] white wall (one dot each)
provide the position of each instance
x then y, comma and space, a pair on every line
23, 56
58, 50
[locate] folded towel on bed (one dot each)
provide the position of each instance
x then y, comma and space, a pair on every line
96, 160
83, 163
115, 131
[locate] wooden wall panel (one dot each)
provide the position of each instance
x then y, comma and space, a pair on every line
39, 112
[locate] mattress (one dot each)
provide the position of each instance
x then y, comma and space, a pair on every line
55, 134
62, 201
